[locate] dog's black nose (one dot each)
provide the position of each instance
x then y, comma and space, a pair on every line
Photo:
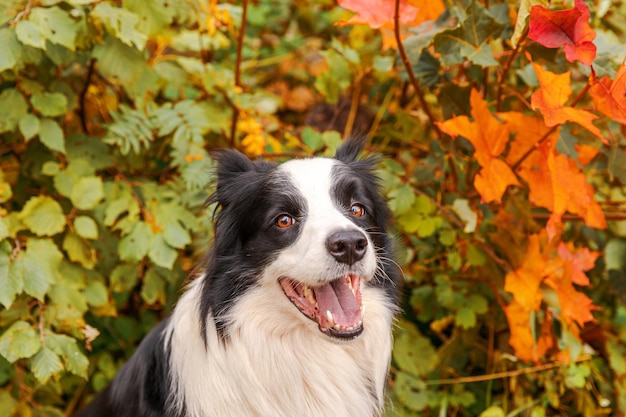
347, 246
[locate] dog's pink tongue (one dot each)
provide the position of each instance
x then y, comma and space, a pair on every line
337, 298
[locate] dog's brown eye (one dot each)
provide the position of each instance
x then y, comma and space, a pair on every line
357, 210
284, 221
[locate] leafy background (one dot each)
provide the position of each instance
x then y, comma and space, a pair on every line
502, 126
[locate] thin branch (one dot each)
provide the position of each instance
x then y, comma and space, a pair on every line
41, 322
507, 68
354, 107
407, 66
82, 112
23, 14
567, 217
240, 38
546, 135
532, 148
502, 375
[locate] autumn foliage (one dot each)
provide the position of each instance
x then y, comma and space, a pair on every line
500, 127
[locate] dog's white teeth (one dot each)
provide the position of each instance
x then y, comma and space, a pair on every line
362, 309
308, 294
331, 322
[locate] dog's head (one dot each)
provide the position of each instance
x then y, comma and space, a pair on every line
313, 227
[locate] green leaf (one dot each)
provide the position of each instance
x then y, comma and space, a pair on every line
411, 392
615, 254
11, 283
13, 105
521, 21
86, 227
127, 64
156, 15
66, 180
43, 216
57, 26
493, 411
50, 104
153, 288
29, 126
64, 346
30, 34
135, 245
78, 250
176, 236
131, 130
68, 297
87, 192
455, 261
7, 404
465, 317
471, 39
161, 253
401, 199
45, 364
19, 341
124, 277
51, 135
93, 151
412, 351
11, 55
41, 266
120, 23
96, 294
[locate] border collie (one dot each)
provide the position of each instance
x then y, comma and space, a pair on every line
292, 314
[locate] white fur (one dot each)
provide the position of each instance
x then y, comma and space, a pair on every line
276, 362
277, 365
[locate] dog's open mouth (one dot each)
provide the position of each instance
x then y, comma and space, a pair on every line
335, 306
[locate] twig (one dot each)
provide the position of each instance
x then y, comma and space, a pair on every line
502, 375
24, 13
575, 218
354, 107
40, 325
407, 66
507, 68
82, 112
240, 38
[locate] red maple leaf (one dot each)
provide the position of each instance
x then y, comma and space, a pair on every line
568, 28
378, 13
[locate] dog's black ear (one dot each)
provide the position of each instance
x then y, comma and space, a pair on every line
349, 151
235, 174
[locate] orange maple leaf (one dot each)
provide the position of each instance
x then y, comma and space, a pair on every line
581, 259
546, 277
524, 282
551, 97
610, 96
556, 183
573, 305
586, 153
521, 339
528, 131
489, 137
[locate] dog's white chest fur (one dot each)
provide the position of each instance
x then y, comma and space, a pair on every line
275, 366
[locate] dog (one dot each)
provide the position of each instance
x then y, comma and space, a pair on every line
291, 314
